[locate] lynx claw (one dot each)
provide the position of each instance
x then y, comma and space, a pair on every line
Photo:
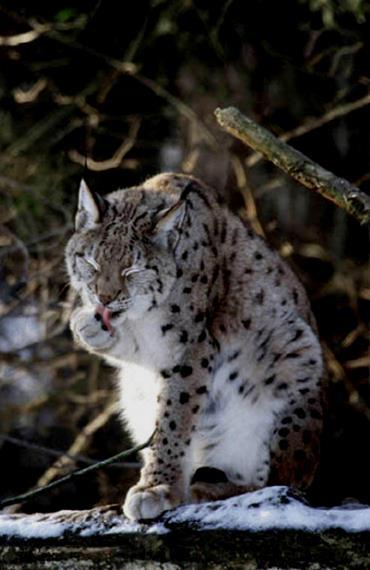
149, 502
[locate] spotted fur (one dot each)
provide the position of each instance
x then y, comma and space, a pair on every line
212, 335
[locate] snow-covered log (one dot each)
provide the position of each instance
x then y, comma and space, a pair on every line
272, 528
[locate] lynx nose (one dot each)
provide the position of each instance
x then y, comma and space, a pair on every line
105, 299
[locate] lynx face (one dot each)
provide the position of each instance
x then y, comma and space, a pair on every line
117, 260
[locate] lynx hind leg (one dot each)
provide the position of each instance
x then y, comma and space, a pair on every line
211, 484
295, 447
202, 492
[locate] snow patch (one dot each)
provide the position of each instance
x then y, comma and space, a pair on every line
267, 509
271, 508
29, 526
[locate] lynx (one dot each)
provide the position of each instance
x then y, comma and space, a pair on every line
211, 332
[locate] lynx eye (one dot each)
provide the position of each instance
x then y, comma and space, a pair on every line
91, 261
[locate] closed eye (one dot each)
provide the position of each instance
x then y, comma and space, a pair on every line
91, 261
130, 271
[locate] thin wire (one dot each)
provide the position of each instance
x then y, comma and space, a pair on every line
73, 475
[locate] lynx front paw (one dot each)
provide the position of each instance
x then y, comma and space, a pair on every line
88, 329
150, 502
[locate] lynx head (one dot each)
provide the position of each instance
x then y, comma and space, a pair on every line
122, 254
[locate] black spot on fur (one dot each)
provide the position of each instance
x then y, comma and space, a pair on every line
223, 232
204, 363
201, 390
298, 333
215, 274
172, 425
292, 355
185, 371
184, 337
202, 337
199, 317
175, 309
234, 356
246, 323
260, 297
270, 379
295, 296
166, 328
184, 397
258, 256
300, 413
233, 375
287, 420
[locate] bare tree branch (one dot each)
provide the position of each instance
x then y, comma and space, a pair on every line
296, 164
315, 123
81, 442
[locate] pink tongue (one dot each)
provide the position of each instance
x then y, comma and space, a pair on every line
106, 321
105, 313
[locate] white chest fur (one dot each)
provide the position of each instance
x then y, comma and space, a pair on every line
139, 389
235, 430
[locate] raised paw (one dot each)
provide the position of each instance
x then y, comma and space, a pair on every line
89, 330
150, 502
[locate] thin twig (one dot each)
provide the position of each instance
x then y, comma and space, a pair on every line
116, 160
296, 164
74, 475
25, 37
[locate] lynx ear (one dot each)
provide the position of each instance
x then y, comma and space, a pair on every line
91, 208
167, 229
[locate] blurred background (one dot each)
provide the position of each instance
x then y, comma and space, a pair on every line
117, 91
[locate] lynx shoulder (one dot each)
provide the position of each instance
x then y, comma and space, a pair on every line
213, 336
